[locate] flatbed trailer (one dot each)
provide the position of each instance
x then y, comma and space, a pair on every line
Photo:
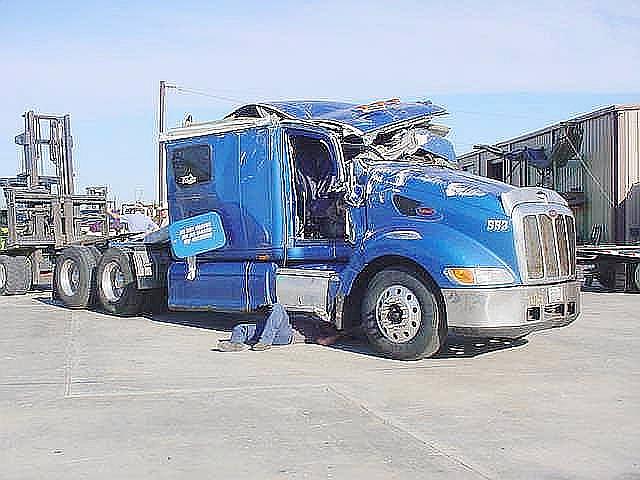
616, 267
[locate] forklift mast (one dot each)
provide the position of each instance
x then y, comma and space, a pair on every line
44, 210
53, 131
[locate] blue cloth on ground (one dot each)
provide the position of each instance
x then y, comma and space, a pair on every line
276, 329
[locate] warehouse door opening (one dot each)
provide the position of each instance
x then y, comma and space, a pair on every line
496, 170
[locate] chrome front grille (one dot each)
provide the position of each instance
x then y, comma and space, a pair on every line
548, 245
533, 251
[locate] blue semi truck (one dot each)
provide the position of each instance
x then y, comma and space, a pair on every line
355, 214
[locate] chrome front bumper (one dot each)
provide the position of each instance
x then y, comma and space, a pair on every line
511, 312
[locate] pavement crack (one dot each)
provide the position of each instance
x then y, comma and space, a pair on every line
69, 334
390, 423
192, 391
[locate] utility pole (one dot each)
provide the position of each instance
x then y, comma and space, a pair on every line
162, 161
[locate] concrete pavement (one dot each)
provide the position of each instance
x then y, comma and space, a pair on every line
87, 395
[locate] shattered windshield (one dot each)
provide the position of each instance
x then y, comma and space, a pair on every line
415, 145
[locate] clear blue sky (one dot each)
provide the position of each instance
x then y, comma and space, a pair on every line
500, 67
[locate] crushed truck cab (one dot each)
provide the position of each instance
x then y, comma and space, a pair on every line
359, 215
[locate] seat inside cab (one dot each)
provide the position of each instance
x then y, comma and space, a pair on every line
319, 205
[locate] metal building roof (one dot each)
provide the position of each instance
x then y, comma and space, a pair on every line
544, 130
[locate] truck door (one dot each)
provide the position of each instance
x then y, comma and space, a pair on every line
237, 175
318, 208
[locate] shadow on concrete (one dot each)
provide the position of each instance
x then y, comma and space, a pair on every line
593, 286
50, 301
455, 347
462, 347
596, 289
41, 287
208, 320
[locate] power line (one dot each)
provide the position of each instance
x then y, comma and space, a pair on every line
226, 98
193, 91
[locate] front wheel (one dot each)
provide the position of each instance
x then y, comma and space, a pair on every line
403, 314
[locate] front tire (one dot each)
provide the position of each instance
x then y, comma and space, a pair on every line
117, 289
403, 314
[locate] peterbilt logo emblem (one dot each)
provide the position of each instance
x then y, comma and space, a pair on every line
541, 195
188, 180
553, 213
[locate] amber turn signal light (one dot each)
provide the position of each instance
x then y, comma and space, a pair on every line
462, 275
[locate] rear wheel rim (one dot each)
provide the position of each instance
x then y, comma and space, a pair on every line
398, 314
113, 282
3, 276
69, 277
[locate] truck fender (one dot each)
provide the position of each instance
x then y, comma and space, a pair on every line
434, 249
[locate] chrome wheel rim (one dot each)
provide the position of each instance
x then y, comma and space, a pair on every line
3, 276
398, 314
69, 277
113, 282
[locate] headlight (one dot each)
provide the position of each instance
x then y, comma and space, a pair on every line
479, 275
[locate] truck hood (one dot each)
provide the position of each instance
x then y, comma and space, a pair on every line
424, 182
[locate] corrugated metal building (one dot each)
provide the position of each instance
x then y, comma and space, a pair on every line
602, 184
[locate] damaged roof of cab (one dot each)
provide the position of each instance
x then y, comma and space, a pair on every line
365, 118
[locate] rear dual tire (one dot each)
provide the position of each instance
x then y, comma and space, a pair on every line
117, 286
84, 277
15, 275
75, 277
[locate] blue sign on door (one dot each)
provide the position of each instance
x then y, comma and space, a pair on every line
195, 235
